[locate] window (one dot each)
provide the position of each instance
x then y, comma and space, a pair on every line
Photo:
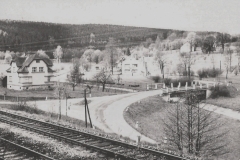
48, 79
37, 61
34, 69
40, 69
10, 78
134, 65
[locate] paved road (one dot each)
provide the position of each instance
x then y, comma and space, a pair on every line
106, 112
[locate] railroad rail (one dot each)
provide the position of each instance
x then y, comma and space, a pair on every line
110, 147
12, 151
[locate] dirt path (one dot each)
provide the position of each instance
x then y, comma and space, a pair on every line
223, 111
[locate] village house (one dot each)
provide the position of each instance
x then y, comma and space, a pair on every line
30, 72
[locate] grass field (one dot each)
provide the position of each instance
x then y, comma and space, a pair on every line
150, 112
232, 102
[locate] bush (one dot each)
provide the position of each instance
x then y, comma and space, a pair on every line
167, 81
213, 73
156, 79
182, 81
220, 91
185, 73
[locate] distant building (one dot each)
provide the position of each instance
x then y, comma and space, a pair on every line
131, 66
29, 72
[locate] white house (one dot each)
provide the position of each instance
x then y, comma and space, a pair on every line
130, 66
30, 72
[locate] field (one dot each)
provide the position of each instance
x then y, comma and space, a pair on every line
233, 102
150, 112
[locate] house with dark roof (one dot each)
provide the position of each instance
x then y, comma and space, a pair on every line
30, 72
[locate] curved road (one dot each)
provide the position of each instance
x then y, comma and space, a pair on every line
106, 112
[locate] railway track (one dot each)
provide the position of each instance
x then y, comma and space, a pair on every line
12, 151
109, 147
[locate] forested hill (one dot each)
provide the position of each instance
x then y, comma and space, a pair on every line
22, 35
26, 35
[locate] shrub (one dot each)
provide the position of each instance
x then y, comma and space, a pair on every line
156, 79
213, 73
167, 81
185, 73
182, 81
220, 91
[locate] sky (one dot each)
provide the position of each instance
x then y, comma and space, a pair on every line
190, 15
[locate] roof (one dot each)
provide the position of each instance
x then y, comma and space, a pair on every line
26, 61
50, 69
8, 70
23, 70
19, 61
37, 57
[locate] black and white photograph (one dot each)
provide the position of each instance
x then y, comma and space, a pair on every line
119, 80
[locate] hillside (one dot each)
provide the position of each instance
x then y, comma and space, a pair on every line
20, 35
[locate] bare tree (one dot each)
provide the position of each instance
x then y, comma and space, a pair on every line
191, 39
187, 60
161, 60
119, 78
103, 77
58, 53
193, 130
59, 94
111, 52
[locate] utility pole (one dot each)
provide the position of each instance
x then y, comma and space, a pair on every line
87, 110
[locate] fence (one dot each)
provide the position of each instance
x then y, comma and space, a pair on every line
17, 99
133, 86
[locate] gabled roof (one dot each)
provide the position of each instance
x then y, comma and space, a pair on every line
23, 70
8, 70
19, 61
50, 70
37, 57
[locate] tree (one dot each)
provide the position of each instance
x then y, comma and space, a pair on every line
208, 44
223, 38
197, 42
128, 53
172, 37
95, 56
59, 94
159, 41
102, 77
119, 78
193, 130
191, 39
58, 53
187, 60
75, 76
8, 57
162, 62
227, 62
42, 54
111, 52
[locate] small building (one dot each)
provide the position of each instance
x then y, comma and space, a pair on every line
30, 72
131, 66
